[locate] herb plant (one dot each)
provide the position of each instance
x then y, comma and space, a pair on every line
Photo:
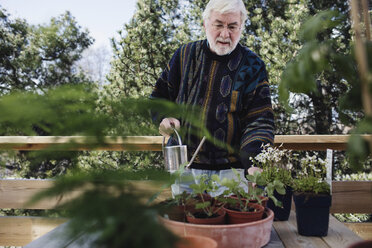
311, 178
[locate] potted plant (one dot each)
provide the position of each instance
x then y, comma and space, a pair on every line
239, 208
208, 207
312, 197
276, 164
174, 208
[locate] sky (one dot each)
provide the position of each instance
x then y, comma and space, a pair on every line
103, 18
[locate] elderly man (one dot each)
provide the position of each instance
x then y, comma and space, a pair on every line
229, 83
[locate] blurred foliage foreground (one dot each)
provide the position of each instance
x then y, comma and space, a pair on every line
110, 207
318, 57
80, 110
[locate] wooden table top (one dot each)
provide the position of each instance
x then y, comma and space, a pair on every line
283, 234
339, 235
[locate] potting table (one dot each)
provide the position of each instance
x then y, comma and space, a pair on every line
283, 234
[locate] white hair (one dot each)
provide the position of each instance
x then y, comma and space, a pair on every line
225, 6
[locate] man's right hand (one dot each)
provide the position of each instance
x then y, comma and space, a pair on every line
166, 126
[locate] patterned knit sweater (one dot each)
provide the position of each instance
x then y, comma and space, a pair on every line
233, 94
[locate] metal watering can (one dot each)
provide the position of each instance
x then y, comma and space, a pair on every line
175, 156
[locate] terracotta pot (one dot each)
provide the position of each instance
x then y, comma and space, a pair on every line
173, 212
248, 235
218, 220
196, 241
362, 244
237, 217
264, 200
176, 213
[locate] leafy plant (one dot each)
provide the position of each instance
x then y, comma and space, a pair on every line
276, 164
263, 188
268, 187
205, 193
312, 177
319, 56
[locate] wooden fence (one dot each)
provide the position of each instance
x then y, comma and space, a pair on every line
348, 197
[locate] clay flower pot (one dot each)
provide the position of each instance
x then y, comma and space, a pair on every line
196, 241
248, 235
362, 244
264, 201
235, 216
173, 212
218, 219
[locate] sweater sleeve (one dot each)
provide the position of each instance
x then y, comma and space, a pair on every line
167, 85
257, 117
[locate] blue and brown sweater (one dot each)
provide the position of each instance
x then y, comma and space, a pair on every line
233, 94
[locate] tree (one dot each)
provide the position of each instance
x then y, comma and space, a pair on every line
38, 57
144, 48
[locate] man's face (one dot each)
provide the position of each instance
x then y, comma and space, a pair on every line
223, 31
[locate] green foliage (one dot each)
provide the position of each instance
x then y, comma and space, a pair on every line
265, 187
37, 57
205, 193
311, 184
144, 48
73, 110
322, 56
112, 208
276, 164
261, 189
312, 177
300, 76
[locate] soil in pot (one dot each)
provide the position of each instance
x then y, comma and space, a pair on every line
312, 213
199, 217
282, 213
236, 216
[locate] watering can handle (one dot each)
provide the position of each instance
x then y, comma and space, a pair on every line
178, 137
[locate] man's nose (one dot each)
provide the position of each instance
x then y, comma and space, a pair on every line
225, 33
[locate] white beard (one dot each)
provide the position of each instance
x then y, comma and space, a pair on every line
220, 49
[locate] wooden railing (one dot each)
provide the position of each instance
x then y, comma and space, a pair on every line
153, 143
348, 197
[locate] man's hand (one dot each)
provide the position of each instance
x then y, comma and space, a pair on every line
166, 126
252, 170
